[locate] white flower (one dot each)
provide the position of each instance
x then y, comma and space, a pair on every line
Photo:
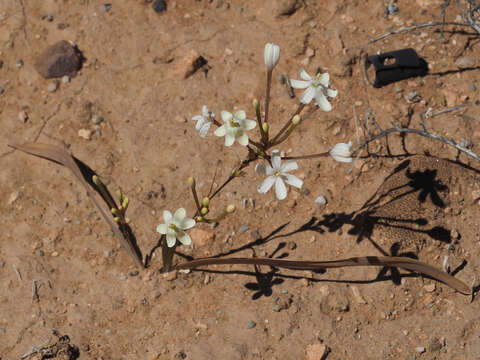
277, 174
235, 127
317, 87
175, 227
203, 123
271, 55
341, 152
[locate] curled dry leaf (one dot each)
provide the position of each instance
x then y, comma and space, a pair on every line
61, 156
389, 261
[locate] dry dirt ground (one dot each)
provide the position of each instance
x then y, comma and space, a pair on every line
418, 197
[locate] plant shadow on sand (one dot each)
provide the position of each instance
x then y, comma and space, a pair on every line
414, 194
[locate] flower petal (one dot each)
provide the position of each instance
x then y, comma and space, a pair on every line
307, 95
242, 138
299, 84
162, 228
187, 223
332, 93
221, 131
304, 75
293, 180
200, 123
248, 124
289, 166
280, 189
226, 116
229, 139
185, 239
266, 184
324, 79
322, 102
171, 239
205, 111
260, 169
240, 115
179, 216
167, 216
204, 129
276, 160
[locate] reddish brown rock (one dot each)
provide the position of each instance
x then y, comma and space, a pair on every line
59, 60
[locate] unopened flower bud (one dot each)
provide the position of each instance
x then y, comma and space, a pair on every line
256, 104
206, 202
191, 181
296, 119
265, 127
199, 219
271, 55
204, 211
341, 152
230, 208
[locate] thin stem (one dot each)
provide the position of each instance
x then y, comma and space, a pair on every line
287, 124
260, 124
267, 96
421, 133
304, 157
167, 255
195, 196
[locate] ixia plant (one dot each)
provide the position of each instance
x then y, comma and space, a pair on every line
262, 139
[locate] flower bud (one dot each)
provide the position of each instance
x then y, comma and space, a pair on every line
230, 208
265, 127
204, 211
271, 55
256, 104
206, 202
191, 181
296, 119
341, 152
199, 219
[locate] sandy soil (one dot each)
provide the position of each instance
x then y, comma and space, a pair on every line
89, 288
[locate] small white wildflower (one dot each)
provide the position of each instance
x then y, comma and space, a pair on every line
271, 55
175, 227
278, 175
341, 152
235, 127
203, 121
317, 87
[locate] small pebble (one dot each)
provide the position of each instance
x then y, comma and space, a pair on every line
123, 277
19, 63
243, 228
54, 254
108, 253
23, 116
251, 324
78, 222
398, 89
39, 253
85, 134
66, 79
413, 97
392, 8
420, 349
107, 7
473, 87
320, 200
47, 17
97, 119
52, 87
134, 273
159, 6
2, 90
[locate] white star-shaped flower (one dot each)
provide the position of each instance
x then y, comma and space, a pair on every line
317, 87
278, 175
203, 121
175, 226
235, 127
341, 152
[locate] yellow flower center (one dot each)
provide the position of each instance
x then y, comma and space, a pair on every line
233, 123
175, 228
277, 173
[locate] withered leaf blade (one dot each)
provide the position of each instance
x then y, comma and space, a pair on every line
389, 261
61, 156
